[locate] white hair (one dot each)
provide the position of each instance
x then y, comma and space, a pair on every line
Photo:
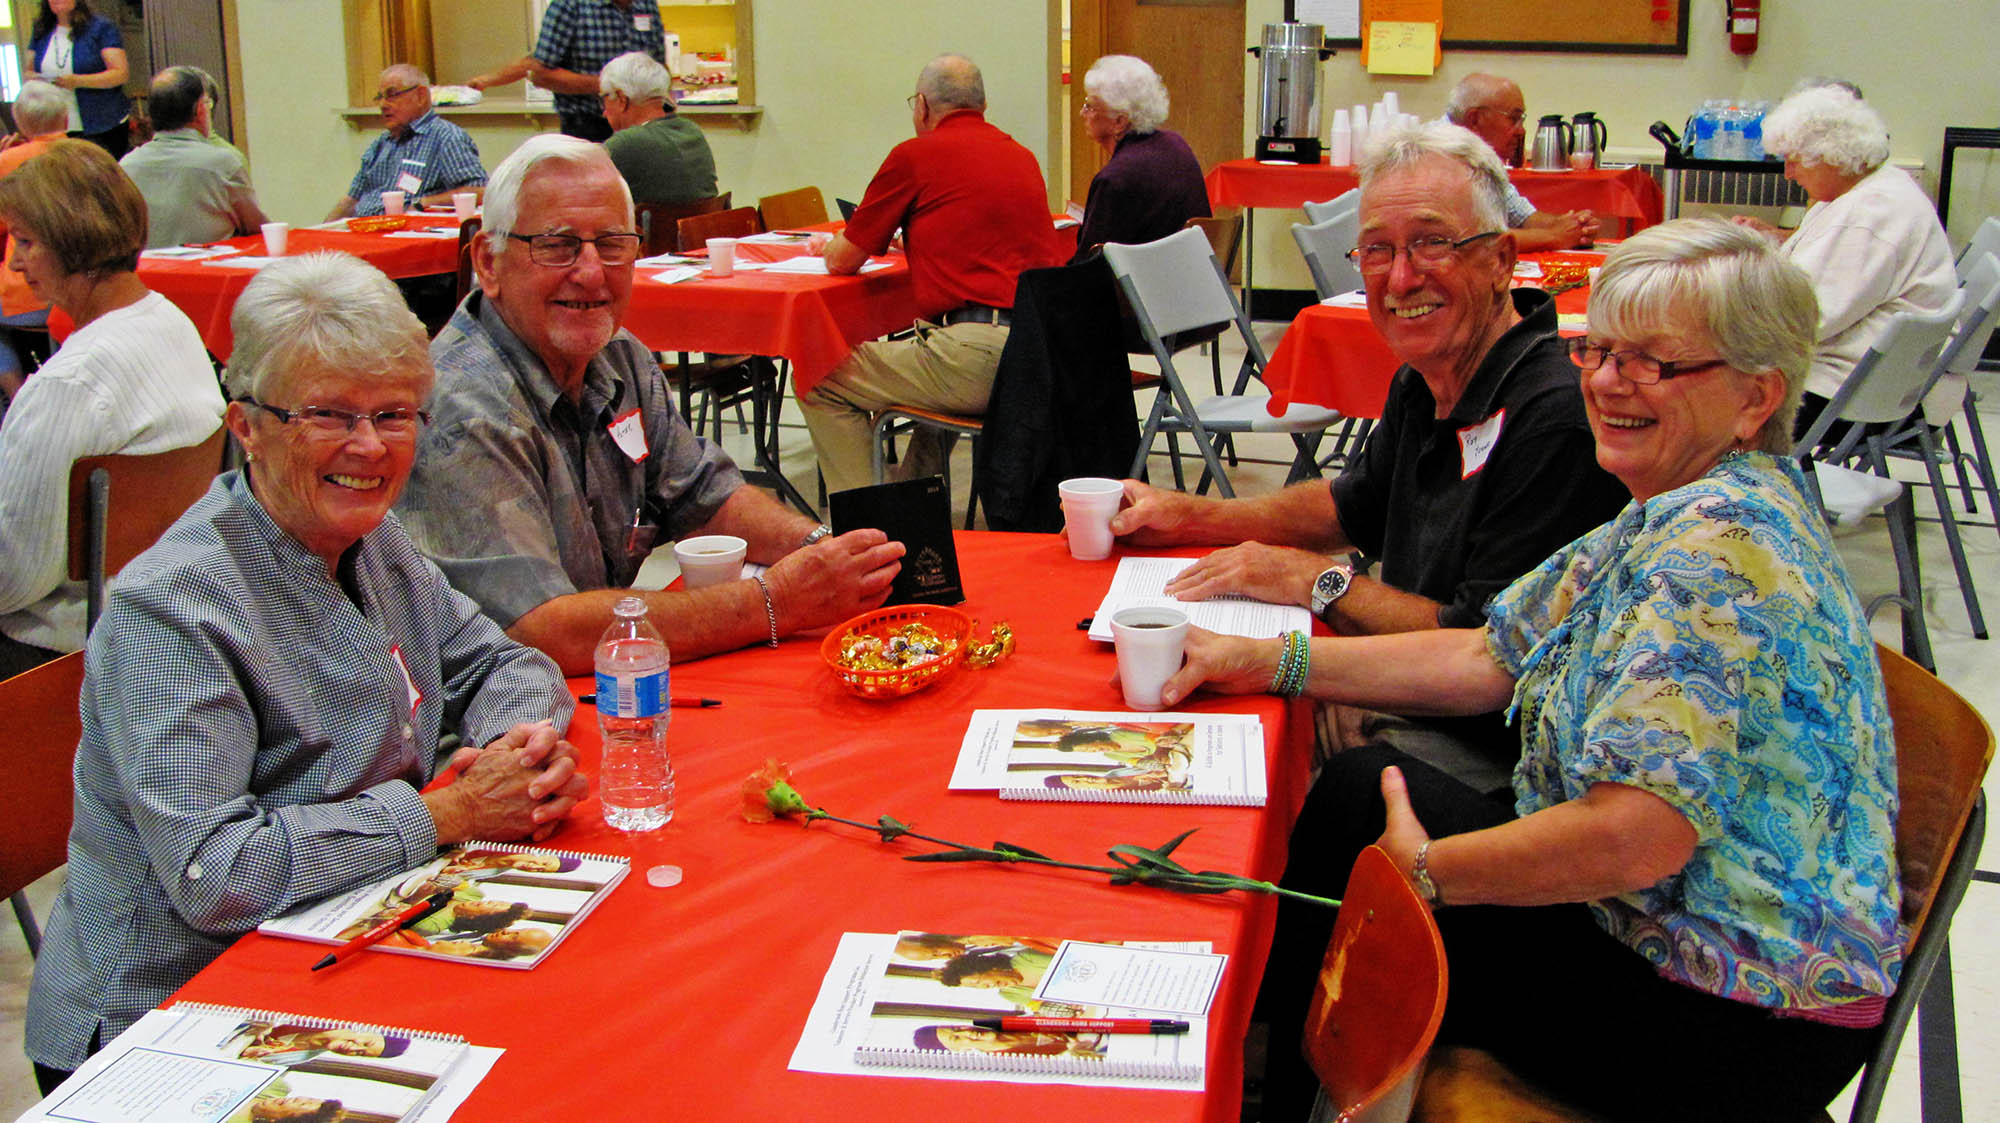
1706, 278
1407, 145
328, 310
1126, 85
1827, 125
406, 74
638, 77
503, 191
40, 109
1473, 92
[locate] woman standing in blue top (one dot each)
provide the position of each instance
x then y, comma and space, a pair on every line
81, 53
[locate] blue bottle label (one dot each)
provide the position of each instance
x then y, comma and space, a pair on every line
632, 695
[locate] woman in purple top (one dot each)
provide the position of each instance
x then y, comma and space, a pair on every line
1152, 185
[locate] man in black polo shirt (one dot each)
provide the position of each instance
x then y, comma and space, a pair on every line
1482, 465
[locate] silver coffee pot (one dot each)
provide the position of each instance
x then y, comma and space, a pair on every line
1549, 151
1588, 138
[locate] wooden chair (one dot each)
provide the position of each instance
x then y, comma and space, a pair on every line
1943, 748
41, 708
695, 231
467, 231
1379, 997
789, 210
150, 492
659, 223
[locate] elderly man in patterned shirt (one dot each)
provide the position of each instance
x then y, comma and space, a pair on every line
557, 459
578, 37
422, 155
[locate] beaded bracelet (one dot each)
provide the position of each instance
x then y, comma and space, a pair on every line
1293, 663
770, 613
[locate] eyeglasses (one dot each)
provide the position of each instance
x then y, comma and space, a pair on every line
911, 101
1092, 105
558, 251
1427, 252
386, 95
1514, 116
1635, 366
328, 422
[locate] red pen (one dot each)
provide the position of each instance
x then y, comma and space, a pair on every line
1081, 1025
419, 911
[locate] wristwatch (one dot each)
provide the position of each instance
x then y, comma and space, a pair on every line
817, 533
1330, 586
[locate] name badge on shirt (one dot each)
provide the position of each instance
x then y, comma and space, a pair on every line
409, 684
1475, 444
641, 22
408, 183
629, 435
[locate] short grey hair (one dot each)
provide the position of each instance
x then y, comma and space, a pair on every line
1408, 145
1703, 278
952, 82
1827, 125
1126, 85
1815, 81
328, 310
503, 191
405, 74
40, 109
1473, 92
638, 77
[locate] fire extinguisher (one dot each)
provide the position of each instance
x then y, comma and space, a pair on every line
1743, 15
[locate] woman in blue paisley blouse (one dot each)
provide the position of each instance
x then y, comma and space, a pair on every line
1689, 907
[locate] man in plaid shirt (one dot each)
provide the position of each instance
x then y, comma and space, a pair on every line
578, 37
421, 154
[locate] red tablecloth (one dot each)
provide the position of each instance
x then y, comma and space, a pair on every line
207, 293
814, 321
687, 1002
1628, 194
1333, 357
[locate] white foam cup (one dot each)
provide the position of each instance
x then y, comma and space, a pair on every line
710, 559
722, 256
1088, 502
392, 202
1149, 642
463, 204
276, 234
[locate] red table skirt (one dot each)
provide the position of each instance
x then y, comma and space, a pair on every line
687, 1002
1627, 194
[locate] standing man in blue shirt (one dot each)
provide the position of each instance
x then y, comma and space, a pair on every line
422, 155
578, 37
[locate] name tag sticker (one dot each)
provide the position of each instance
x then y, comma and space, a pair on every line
410, 684
408, 183
1475, 444
641, 22
629, 435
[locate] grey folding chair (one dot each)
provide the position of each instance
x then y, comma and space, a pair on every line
1951, 398
1176, 288
1985, 243
1348, 201
1885, 387
1325, 245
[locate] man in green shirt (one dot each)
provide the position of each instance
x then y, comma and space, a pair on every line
662, 155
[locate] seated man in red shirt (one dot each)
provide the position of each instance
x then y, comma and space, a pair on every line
974, 213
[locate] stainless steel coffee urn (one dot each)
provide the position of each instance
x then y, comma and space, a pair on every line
1288, 81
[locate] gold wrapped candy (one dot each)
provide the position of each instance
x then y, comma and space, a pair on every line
993, 650
901, 648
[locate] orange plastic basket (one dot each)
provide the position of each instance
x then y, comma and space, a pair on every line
949, 623
378, 223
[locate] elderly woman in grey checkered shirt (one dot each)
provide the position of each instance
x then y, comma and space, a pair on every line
267, 691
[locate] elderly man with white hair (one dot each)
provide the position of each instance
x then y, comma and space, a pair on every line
558, 461
663, 156
1870, 241
1152, 183
1492, 107
422, 155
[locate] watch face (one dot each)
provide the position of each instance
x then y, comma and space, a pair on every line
1329, 587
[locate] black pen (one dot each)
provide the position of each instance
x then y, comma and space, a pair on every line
677, 701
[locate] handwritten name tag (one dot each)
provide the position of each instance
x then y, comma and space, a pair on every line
629, 435
1475, 444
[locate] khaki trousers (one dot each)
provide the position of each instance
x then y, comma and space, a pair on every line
949, 369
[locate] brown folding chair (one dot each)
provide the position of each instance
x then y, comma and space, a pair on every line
695, 231
1378, 999
35, 803
789, 210
659, 229
150, 491
467, 231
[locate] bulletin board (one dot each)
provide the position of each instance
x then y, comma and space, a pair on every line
1634, 27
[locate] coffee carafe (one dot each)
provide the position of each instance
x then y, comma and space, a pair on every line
1588, 138
1549, 151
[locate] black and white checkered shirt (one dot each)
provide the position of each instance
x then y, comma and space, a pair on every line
251, 742
583, 35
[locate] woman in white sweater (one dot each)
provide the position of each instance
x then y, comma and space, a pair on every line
134, 378
1870, 241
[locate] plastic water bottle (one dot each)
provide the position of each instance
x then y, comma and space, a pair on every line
636, 780
1707, 122
1753, 130
1730, 143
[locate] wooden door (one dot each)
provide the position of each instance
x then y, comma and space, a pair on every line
1197, 46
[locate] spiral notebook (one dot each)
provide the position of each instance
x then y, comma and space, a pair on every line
510, 905
1114, 757
903, 1004
218, 1064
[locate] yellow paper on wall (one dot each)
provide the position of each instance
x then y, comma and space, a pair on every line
1402, 47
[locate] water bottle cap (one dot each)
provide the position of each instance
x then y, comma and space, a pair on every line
629, 608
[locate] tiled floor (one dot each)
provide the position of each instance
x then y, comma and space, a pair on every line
1965, 663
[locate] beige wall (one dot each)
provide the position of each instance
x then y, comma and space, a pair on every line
832, 78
